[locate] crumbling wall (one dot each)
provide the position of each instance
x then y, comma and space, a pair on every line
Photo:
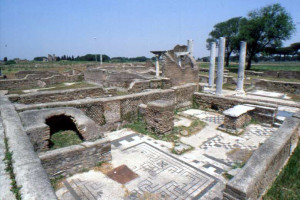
62, 95
73, 159
280, 86
187, 72
110, 78
35, 74
26, 83
110, 112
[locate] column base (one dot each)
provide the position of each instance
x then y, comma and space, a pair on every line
240, 93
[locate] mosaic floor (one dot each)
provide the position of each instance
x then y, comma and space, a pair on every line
196, 174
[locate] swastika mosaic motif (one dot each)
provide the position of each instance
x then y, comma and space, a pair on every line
161, 169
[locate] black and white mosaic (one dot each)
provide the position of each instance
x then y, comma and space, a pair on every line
167, 176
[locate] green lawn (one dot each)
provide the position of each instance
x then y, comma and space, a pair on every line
64, 139
287, 184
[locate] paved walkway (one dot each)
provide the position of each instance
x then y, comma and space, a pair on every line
5, 181
197, 174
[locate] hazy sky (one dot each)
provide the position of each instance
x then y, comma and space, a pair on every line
126, 28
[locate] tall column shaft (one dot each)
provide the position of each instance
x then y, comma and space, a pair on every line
212, 62
190, 44
220, 70
157, 65
100, 59
241, 70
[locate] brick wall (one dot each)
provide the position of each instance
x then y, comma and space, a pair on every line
180, 75
53, 96
26, 83
73, 159
109, 112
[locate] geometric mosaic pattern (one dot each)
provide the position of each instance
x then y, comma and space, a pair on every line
86, 189
194, 183
218, 141
260, 130
214, 119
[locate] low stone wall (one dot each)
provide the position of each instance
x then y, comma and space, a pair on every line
263, 112
265, 163
280, 86
25, 83
110, 77
30, 176
110, 112
62, 95
73, 159
140, 85
184, 95
35, 74
275, 74
34, 122
226, 79
220, 103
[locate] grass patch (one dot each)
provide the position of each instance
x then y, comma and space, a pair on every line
287, 184
9, 169
140, 127
196, 126
55, 182
188, 148
64, 138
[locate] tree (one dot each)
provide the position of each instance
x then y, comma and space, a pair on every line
228, 29
5, 59
266, 27
41, 58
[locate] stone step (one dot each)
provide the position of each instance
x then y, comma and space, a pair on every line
277, 125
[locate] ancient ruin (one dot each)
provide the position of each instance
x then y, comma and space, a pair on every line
163, 129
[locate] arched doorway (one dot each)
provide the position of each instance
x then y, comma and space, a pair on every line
63, 131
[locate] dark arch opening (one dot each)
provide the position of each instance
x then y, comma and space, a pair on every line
214, 107
61, 123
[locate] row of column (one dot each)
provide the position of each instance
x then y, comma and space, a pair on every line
220, 67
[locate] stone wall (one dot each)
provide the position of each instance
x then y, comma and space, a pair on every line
140, 85
26, 83
236, 122
275, 74
280, 86
62, 95
159, 116
110, 77
38, 74
110, 112
73, 159
30, 176
34, 122
265, 112
187, 72
265, 163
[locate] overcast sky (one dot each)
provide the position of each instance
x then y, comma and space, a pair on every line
126, 28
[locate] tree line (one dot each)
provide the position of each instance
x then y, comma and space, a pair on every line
94, 57
263, 30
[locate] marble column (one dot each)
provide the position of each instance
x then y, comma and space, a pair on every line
220, 69
100, 59
241, 69
157, 65
212, 62
190, 44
